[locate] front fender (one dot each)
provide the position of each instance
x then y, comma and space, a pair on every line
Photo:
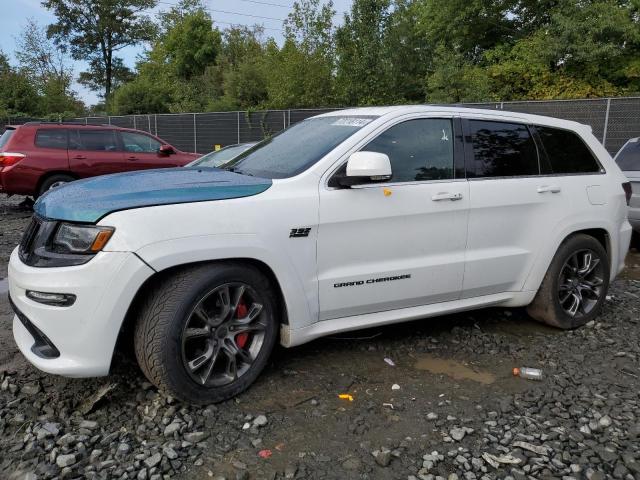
187, 250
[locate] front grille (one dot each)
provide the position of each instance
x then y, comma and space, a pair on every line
29, 236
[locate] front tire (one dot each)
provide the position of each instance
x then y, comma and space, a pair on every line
575, 286
205, 333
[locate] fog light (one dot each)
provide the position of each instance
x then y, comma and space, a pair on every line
55, 299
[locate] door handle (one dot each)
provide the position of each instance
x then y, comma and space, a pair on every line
79, 157
549, 188
446, 196
132, 157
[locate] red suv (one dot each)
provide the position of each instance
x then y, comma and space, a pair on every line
36, 157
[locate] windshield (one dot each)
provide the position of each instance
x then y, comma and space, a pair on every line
298, 147
220, 157
629, 157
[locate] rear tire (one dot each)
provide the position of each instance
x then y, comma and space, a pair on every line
635, 240
54, 181
205, 333
575, 285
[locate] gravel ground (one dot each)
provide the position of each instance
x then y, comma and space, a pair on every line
445, 406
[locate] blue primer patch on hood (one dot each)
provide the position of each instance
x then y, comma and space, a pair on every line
91, 199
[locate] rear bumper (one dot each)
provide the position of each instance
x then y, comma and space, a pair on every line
75, 341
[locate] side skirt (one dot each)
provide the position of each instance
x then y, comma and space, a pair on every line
290, 337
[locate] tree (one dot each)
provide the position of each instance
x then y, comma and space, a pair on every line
94, 30
300, 74
48, 69
363, 69
17, 95
192, 44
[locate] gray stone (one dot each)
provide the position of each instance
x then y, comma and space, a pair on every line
170, 429
30, 388
382, 456
457, 433
260, 421
153, 460
195, 437
65, 460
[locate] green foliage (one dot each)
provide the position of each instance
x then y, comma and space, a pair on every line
384, 51
192, 44
94, 29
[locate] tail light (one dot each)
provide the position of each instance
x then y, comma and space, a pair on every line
626, 186
7, 159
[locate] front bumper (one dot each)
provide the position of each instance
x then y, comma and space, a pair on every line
85, 333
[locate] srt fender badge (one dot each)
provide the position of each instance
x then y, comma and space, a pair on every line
371, 280
299, 232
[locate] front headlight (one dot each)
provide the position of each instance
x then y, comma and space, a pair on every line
51, 243
81, 239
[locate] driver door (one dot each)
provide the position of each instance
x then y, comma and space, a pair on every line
402, 243
143, 151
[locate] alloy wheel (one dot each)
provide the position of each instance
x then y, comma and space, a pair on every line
580, 283
223, 335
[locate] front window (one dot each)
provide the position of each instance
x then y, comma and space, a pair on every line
139, 143
298, 147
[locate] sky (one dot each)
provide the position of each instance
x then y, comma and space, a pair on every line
238, 12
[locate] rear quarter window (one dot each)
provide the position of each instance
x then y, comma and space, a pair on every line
565, 152
628, 159
51, 138
6, 135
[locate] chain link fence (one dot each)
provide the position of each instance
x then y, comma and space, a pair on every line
614, 121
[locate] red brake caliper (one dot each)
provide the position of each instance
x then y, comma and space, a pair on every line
241, 312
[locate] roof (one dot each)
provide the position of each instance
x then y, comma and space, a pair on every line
397, 110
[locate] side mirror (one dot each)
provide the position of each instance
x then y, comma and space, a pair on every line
366, 167
166, 150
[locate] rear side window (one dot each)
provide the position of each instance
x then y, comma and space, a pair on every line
51, 138
4, 138
420, 149
94, 140
629, 157
565, 152
502, 149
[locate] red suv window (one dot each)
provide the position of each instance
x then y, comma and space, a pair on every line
94, 140
51, 138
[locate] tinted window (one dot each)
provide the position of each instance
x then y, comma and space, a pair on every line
629, 157
51, 138
96, 140
139, 143
4, 138
418, 149
502, 150
298, 147
565, 152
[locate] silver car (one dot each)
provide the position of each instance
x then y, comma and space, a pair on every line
628, 159
222, 156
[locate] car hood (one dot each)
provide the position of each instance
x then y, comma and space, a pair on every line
91, 199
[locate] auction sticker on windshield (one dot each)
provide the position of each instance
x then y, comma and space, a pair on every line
351, 122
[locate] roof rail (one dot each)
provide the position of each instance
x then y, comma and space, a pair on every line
69, 123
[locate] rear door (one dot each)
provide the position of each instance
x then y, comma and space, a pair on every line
511, 206
95, 151
143, 151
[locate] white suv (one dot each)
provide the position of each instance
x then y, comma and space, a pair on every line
351, 219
